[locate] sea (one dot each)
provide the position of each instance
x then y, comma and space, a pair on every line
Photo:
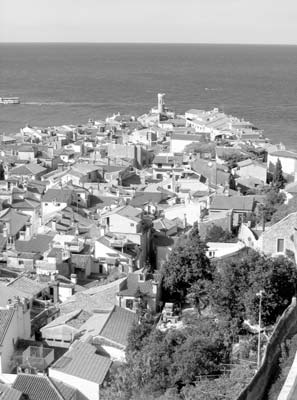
72, 83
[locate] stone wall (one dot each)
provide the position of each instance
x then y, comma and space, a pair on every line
285, 329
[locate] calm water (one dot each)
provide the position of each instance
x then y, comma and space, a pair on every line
70, 83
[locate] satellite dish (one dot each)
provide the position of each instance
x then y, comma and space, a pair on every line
209, 164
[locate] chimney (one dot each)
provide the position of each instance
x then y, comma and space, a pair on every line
54, 225
73, 278
185, 221
154, 287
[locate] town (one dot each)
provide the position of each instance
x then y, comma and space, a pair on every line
120, 235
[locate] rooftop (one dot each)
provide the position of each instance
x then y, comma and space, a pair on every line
82, 362
5, 320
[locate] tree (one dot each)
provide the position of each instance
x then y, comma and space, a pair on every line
277, 277
284, 210
187, 265
2, 172
232, 183
236, 284
278, 180
165, 362
216, 233
273, 200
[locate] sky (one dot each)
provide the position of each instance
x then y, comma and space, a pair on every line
160, 21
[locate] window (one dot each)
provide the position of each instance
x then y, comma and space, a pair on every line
21, 262
129, 304
280, 245
131, 224
211, 254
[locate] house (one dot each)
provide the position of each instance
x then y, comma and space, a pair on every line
53, 201
30, 207
14, 325
109, 329
26, 252
102, 297
37, 387
242, 206
113, 336
287, 158
149, 285
26, 152
13, 225
280, 238
82, 368
26, 172
179, 141
110, 259
251, 169
65, 329
128, 221
221, 249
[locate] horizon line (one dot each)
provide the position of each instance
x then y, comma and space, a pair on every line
155, 43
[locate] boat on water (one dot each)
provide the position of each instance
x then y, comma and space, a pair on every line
10, 100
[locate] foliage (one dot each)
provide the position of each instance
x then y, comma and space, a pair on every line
226, 387
232, 183
2, 172
232, 159
236, 285
289, 349
187, 264
284, 210
140, 331
167, 361
273, 200
195, 148
216, 233
278, 180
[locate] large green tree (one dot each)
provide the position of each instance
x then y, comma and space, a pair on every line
171, 359
278, 180
237, 284
187, 265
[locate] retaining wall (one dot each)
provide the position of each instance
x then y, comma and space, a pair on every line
285, 329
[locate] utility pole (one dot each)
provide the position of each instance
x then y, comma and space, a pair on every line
260, 294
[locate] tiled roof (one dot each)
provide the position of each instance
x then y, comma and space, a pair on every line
27, 169
284, 153
100, 297
86, 168
26, 204
59, 195
37, 387
3, 241
68, 392
8, 393
38, 244
8, 293
163, 224
130, 212
15, 219
5, 319
118, 325
237, 203
142, 198
27, 286
82, 362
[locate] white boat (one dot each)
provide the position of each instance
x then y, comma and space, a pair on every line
9, 100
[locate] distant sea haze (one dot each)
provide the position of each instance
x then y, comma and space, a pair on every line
70, 83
